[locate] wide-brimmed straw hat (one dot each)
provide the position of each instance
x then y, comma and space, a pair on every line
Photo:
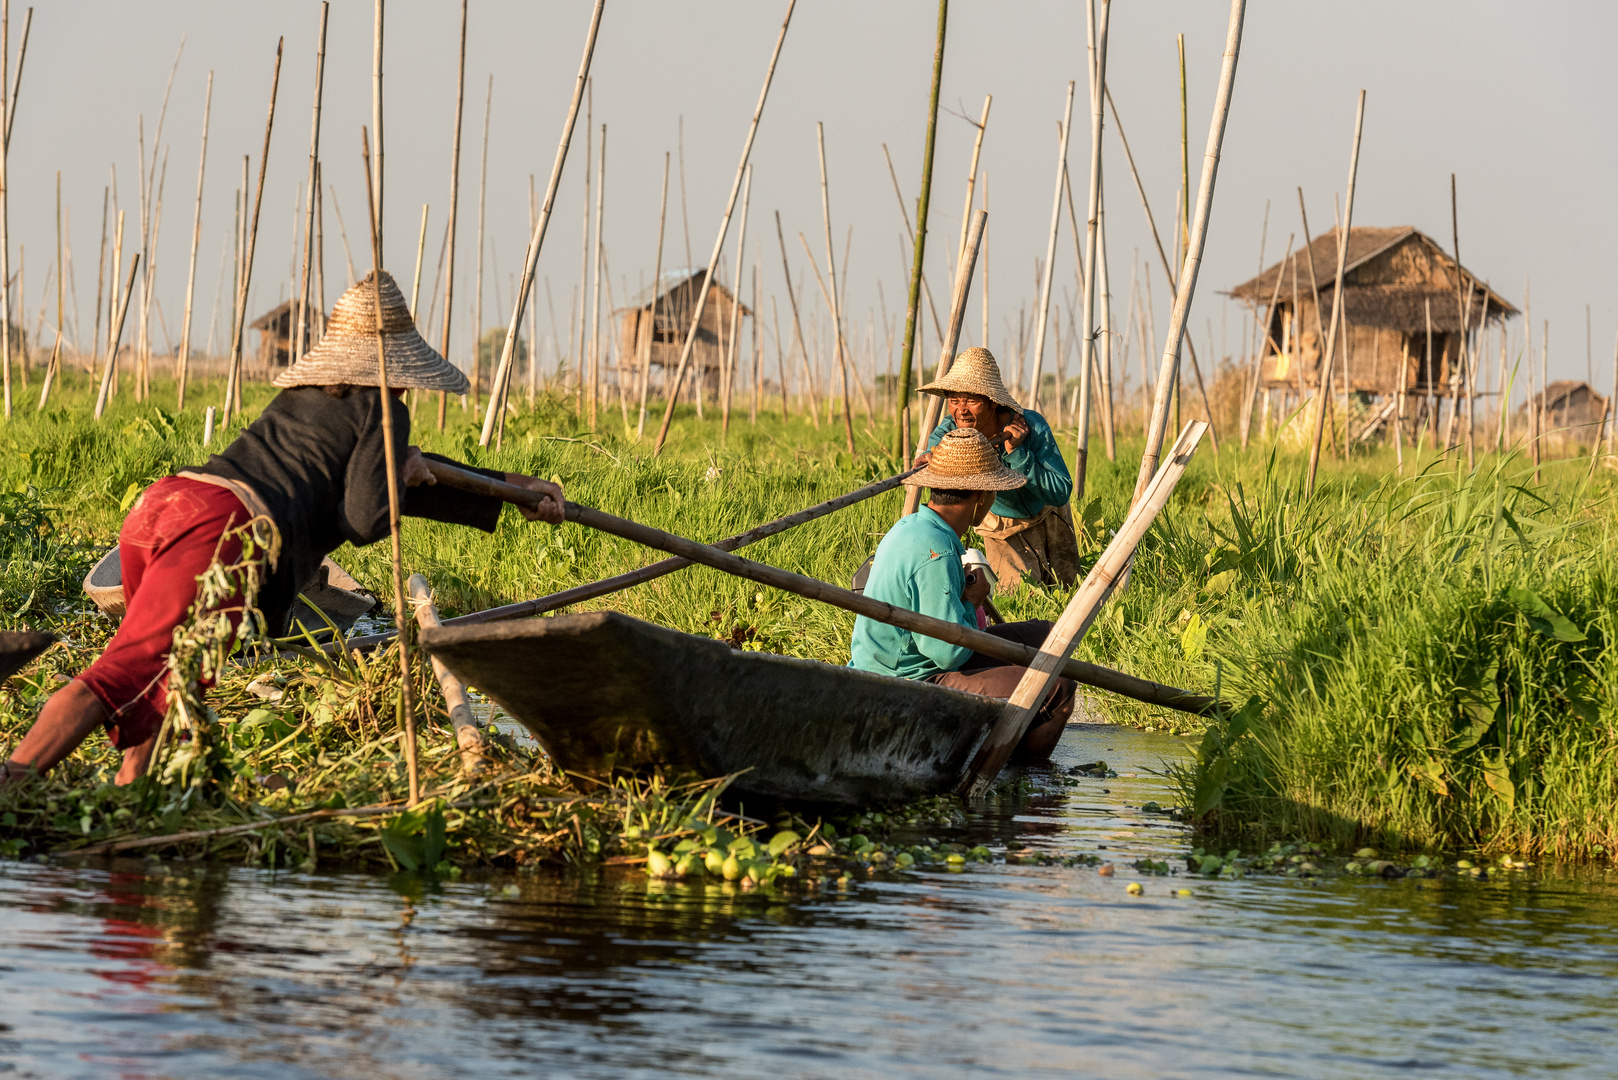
974, 372
964, 460
347, 351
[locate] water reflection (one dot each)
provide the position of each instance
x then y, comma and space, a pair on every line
179, 969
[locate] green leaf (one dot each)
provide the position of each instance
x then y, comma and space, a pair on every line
1498, 777
1544, 618
1211, 785
1220, 583
1194, 637
781, 841
130, 493
404, 849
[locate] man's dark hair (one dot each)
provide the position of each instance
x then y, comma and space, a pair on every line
951, 497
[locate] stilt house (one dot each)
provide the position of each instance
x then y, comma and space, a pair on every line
276, 329
675, 297
1402, 313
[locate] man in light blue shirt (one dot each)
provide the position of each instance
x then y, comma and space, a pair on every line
918, 567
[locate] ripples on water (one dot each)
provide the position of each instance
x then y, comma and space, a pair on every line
189, 970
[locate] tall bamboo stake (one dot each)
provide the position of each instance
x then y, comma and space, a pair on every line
374, 186
401, 607
1050, 243
595, 282
982, 126
797, 326
1336, 301
114, 335
1259, 342
757, 401
542, 222
834, 301
233, 382
101, 276
196, 239
946, 347
454, 203
1185, 285
584, 252
301, 334
477, 287
7, 101
1173, 278
421, 249
908, 353
719, 241
657, 294
1097, 32
736, 300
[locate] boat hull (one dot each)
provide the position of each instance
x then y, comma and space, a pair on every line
603, 691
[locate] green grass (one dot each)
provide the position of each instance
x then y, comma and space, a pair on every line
1427, 653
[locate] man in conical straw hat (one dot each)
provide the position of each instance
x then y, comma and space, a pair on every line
918, 567
309, 474
1028, 534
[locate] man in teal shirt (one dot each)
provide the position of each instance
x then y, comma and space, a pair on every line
918, 566
1028, 533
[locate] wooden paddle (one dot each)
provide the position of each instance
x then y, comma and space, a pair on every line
1143, 690
580, 593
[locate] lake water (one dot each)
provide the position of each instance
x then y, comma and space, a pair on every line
141, 970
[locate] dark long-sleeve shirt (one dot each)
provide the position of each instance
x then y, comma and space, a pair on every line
317, 463
1039, 458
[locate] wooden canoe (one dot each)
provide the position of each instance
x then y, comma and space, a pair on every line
603, 691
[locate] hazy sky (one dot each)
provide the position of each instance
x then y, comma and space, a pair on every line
1517, 101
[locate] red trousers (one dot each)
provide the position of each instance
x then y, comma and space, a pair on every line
168, 540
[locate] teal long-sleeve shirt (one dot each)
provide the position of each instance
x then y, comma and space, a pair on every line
917, 567
1039, 458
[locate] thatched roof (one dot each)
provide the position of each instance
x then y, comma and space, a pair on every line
1424, 273
274, 316
676, 282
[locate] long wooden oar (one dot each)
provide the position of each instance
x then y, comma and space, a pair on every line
1143, 690
580, 593
1077, 618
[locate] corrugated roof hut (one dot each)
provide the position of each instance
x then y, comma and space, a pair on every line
676, 297
276, 328
1398, 285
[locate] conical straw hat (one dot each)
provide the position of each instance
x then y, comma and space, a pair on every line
974, 372
964, 460
347, 352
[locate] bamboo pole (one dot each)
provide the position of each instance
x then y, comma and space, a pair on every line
719, 241
1098, 585
143, 387
116, 333
1050, 242
477, 287
910, 238
595, 282
1185, 284
946, 349
757, 401
375, 183
233, 381
1337, 300
907, 353
55, 361
1096, 32
1257, 346
1118, 682
196, 239
301, 333
797, 327
734, 347
834, 300
982, 126
390, 451
6, 101
421, 250
1173, 279
454, 203
537, 241
584, 254
1104, 295
101, 282
657, 294
607, 586
468, 736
